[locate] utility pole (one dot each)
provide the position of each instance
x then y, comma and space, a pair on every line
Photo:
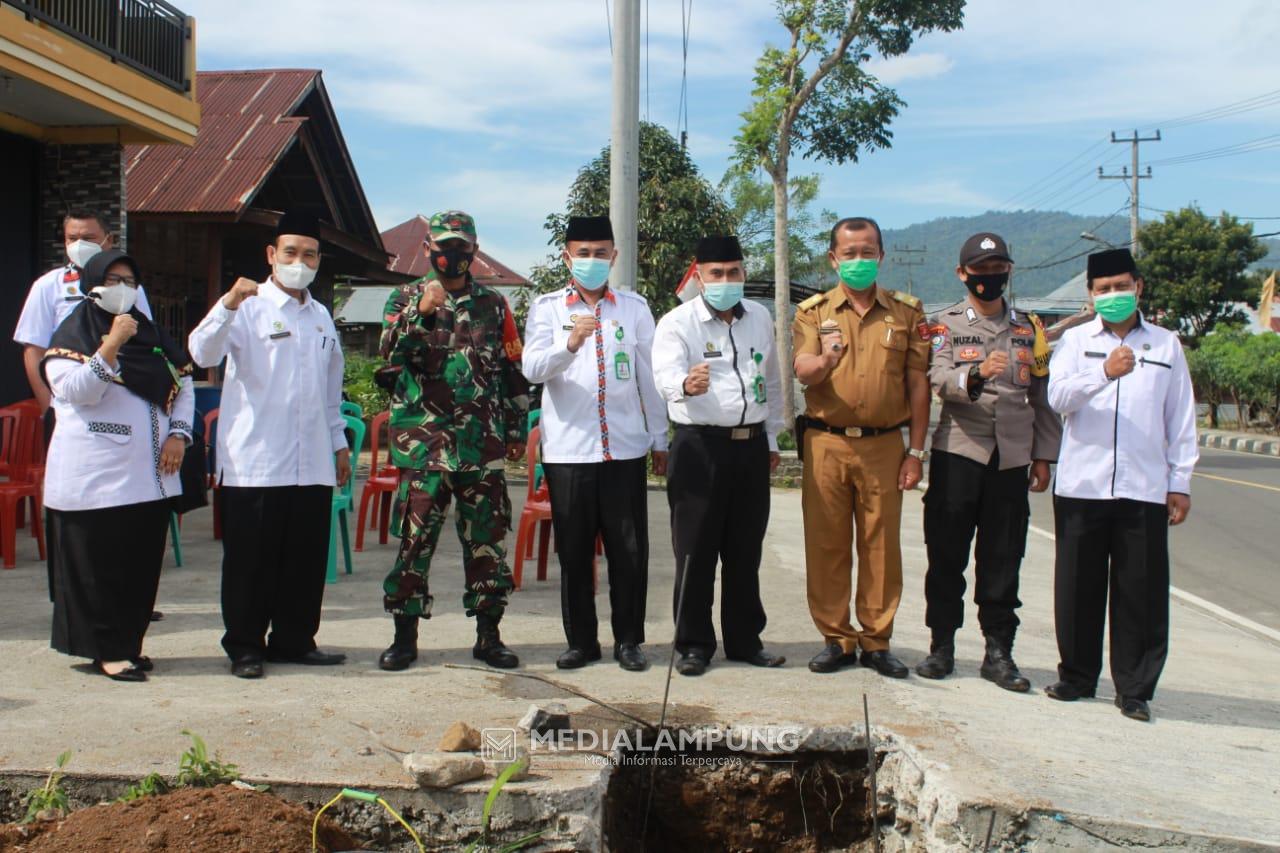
908, 250
624, 154
1124, 175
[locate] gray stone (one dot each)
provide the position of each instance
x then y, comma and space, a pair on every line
551, 717
442, 769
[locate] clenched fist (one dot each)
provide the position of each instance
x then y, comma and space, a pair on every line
432, 298
698, 381
123, 328
994, 364
832, 345
583, 328
239, 292
1119, 363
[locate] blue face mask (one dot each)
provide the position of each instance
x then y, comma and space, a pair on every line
722, 297
590, 273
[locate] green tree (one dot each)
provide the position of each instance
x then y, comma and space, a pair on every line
1195, 268
677, 208
751, 203
817, 97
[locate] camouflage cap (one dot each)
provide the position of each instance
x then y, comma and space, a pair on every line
453, 225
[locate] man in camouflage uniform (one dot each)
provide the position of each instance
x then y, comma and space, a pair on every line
458, 411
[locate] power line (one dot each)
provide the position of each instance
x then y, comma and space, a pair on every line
646, 60
1036, 185
682, 111
1133, 141
1042, 264
1257, 102
608, 20
1262, 143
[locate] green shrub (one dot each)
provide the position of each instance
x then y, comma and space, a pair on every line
357, 381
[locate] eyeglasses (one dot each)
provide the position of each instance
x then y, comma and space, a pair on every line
127, 280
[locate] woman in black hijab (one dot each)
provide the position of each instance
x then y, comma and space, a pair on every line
123, 394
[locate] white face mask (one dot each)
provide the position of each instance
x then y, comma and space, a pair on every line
116, 298
81, 251
295, 276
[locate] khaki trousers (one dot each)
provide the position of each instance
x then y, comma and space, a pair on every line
850, 497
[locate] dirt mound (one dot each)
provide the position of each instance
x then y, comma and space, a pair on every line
210, 820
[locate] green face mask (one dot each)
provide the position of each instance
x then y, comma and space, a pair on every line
1116, 307
859, 274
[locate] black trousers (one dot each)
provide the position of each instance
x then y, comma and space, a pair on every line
965, 496
107, 566
1121, 547
718, 491
275, 548
608, 499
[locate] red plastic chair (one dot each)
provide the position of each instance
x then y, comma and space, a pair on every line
536, 517
210, 467
21, 450
34, 472
382, 483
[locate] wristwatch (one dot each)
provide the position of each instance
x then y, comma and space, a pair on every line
922, 455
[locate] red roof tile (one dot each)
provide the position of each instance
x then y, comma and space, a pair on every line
245, 129
404, 244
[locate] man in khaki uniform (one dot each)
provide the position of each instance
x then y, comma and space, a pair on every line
862, 352
995, 439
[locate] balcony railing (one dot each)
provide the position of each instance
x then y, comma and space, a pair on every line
149, 36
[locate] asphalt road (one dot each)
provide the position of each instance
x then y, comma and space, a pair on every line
1228, 550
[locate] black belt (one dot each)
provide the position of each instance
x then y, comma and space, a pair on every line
741, 433
850, 432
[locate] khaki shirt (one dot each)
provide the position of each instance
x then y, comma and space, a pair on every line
1011, 411
868, 385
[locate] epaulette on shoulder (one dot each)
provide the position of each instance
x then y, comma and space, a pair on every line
812, 302
1035, 320
906, 298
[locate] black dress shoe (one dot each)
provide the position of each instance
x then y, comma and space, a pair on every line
692, 663
630, 658
762, 658
129, 673
1134, 709
998, 667
831, 658
885, 663
489, 646
940, 663
315, 657
575, 658
156, 616
1065, 691
247, 667
143, 663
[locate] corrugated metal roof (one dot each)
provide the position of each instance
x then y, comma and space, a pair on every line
245, 129
364, 306
404, 244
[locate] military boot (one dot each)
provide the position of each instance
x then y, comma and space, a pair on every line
489, 647
998, 665
941, 661
404, 648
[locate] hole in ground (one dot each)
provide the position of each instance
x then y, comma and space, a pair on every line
802, 801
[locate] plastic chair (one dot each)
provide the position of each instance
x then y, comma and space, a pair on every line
382, 483
21, 443
30, 470
342, 504
535, 515
349, 408
211, 466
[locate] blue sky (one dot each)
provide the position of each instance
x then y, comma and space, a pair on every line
492, 106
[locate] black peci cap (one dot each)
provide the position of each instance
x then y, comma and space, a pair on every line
1111, 262
297, 222
588, 228
713, 250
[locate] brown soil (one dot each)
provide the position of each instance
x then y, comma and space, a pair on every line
210, 820
807, 803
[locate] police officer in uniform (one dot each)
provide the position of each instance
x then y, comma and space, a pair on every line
996, 437
714, 363
862, 352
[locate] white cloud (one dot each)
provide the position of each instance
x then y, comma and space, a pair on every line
911, 66
939, 192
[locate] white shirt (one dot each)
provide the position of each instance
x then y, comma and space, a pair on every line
600, 402
106, 449
52, 297
740, 354
279, 422
1132, 437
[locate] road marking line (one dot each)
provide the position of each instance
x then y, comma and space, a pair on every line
1237, 482
1220, 612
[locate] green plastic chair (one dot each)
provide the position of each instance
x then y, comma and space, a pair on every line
350, 408
177, 539
535, 417
342, 504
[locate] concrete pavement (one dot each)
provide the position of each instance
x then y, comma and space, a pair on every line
1204, 768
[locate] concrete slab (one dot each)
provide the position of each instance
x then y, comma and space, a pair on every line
1205, 767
